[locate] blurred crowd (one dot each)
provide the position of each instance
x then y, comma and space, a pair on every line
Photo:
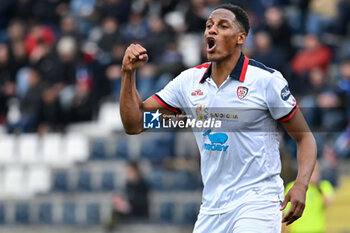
60, 59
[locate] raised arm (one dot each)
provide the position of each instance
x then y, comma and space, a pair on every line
306, 147
131, 105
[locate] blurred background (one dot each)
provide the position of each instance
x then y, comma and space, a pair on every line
65, 163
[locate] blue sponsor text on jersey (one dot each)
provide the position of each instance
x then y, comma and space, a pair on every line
217, 140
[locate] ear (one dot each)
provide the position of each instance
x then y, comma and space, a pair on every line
241, 38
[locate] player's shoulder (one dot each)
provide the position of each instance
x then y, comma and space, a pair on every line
195, 73
200, 69
260, 67
264, 71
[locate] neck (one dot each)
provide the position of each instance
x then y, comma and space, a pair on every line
223, 68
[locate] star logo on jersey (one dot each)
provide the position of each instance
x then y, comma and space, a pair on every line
197, 92
242, 92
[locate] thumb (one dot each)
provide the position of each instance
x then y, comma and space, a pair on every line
143, 57
285, 202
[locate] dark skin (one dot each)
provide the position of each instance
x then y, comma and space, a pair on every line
228, 36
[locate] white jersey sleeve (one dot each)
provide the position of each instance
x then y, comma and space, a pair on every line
171, 96
281, 103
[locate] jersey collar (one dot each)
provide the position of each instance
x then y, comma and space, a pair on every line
237, 73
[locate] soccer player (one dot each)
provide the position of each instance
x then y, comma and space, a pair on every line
240, 165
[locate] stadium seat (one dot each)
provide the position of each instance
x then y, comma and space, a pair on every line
2, 214
158, 147
108, 118
22, 213
107, 181
122, 150
69, 213
93, 213
167, 212
45, 213
28, 149
156, 179
52, 150
77, 147
190, 213
60, 182
14, 181
186, 181
84, 181
98, 150
7, 149
38, 179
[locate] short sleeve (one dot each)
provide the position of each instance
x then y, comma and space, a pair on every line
281, 103
170, 96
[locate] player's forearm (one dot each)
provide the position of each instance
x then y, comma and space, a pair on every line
306, 158
130, 104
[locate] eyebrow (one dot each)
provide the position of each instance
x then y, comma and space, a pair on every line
221, 20
228, 21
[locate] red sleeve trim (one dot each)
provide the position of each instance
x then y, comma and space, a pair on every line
289, 115
244, 69
165, 105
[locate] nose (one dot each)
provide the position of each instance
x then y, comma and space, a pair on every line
213, 30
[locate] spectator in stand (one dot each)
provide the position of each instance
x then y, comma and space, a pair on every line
342, 143
30, 104
113, 74
167, 6
314, 54
267, 53
106, 76
51, 116
82, 10
146, 79
160, 33
343, 17
135, 205
322, 16
68, 27
6, 13
16, 31
7, 81
120, 9
49, 12
39, 34
196, 16
344, 82
24, 10
279, 30
18, 56
323, 106
136, 29
67, 50
81, 108
110, 35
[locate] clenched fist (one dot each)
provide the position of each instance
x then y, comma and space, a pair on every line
134, 57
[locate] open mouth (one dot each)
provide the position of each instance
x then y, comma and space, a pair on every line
210, 44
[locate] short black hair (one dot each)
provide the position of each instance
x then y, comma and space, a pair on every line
240, 14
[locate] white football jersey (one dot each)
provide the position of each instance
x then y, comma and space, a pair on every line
240, 161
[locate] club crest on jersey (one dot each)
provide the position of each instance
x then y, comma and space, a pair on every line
242, 92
